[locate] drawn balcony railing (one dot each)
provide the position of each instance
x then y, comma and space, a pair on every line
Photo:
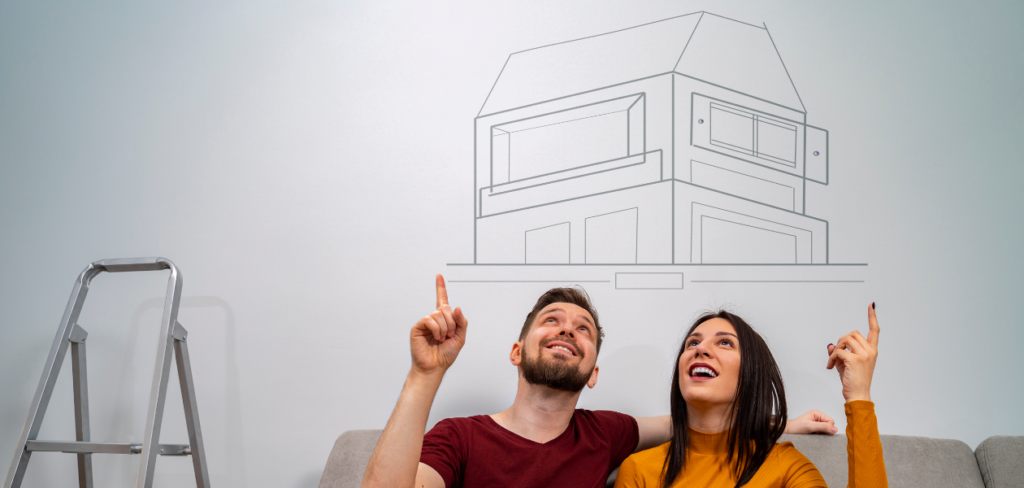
581, 181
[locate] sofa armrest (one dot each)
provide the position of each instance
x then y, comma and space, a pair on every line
348, 459
1001, 460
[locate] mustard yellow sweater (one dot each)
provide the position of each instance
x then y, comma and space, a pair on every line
785, 467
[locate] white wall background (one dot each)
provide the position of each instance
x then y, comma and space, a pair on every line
308, 166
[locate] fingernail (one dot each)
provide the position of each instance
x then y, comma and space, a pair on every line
828, 346
872, 305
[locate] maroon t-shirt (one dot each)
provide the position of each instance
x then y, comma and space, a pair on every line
471, 452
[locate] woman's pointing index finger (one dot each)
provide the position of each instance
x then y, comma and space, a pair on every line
442, 292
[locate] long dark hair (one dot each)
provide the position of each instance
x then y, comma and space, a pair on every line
759, 396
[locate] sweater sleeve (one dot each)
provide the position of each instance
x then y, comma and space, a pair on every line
864, 447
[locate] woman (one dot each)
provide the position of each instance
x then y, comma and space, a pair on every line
729, 409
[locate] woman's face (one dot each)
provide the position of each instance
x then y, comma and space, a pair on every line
709, 368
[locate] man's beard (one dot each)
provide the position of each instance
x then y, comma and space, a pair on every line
556, 374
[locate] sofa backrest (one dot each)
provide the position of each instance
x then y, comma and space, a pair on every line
909, 461
1001, 460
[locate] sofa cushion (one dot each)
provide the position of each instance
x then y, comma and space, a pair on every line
1001, 460
909, 461
348, 459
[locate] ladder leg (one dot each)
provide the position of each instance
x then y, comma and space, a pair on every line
81, 388
59, 349
158, 392
188, 396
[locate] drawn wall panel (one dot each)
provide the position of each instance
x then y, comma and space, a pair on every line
736, 182
500, 237
548, 245
611, 238
817, 155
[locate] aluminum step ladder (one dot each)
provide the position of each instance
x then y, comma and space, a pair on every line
172, 336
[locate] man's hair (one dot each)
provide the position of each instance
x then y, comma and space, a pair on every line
575, 296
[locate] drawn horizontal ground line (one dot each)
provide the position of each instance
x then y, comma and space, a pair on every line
529, 281
776, 281
669, 265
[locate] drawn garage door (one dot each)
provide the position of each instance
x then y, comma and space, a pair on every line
724, 237
611, 237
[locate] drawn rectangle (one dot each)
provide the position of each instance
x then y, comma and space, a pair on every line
649, 281
743, 133
727, 242
548, 245
500, 153
776, 141
733, 129
611, 238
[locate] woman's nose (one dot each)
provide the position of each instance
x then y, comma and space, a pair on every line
701, 350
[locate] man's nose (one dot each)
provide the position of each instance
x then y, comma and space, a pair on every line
567, 331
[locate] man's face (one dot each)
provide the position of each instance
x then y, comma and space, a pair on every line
560, 351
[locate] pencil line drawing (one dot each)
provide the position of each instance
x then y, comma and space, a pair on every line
679, 141
649, 281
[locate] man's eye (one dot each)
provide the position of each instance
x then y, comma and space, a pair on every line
585, 329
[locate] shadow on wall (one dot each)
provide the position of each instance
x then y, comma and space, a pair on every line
633, 380
232, 464
309, 480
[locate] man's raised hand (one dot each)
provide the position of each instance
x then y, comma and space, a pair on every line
435, 341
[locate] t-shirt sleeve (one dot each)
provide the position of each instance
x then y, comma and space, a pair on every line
445, 451
622, 433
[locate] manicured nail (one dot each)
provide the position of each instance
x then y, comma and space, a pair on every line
873, 306
829, 345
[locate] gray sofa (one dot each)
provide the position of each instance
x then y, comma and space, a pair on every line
923, 462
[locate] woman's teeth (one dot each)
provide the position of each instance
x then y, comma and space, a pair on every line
702, 371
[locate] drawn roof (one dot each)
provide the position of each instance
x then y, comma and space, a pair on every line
717, 50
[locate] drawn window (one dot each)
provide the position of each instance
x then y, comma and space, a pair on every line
753, 134
567, 139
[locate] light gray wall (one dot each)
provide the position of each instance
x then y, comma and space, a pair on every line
308, 166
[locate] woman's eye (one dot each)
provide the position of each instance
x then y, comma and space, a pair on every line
726, 342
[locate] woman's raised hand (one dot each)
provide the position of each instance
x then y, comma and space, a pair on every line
435, 341
854, 357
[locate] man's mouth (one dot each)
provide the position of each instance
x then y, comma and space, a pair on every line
562, 347
702, 370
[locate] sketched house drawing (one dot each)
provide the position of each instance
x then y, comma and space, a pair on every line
678, 141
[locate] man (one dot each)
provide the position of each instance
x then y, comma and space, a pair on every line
542, 439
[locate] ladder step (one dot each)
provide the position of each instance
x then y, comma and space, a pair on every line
104, 447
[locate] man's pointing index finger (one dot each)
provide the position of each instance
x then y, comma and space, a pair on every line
442, 292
